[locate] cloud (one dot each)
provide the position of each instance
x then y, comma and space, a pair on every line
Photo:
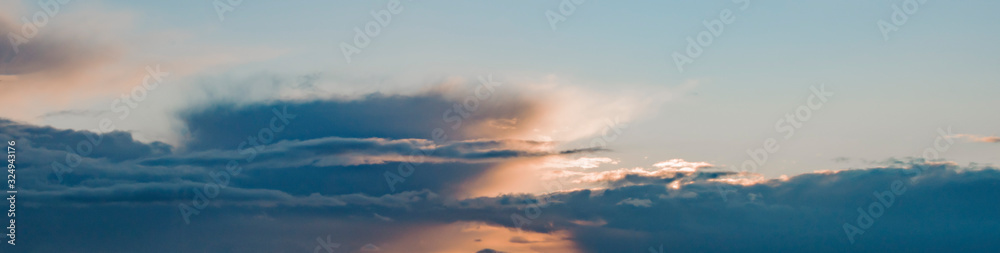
59, 64
115, 146
681, 165
329, 142
298, 202
337, 151
376, 115
86, 56
370, 247
636, 202
669, 171
47, 52
841, 159
978, 138
801, 209
519, 239
81, 113
383, 218
324, 175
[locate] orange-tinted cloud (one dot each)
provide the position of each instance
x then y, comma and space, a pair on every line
464, 237
978, 138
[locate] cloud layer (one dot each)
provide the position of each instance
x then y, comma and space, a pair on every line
328, 181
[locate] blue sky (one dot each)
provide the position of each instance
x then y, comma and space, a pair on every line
605, 73
759, 68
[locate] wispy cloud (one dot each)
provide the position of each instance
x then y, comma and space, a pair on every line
978, 138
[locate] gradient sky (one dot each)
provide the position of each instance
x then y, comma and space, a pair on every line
559, 87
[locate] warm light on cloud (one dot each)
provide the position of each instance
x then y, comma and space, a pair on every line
978, 138
557, 111
681, 165
466, 237
667, 169
744, 179
675, 185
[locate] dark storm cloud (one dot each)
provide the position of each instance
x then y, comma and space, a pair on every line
114, 146
374, 116
167, 193
943, 208
801, 210
304, 185
665, 178
334, 147
114, 163
337, 151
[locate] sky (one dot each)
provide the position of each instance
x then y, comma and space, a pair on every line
515, 126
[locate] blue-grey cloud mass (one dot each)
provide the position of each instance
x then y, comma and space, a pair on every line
328, 180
